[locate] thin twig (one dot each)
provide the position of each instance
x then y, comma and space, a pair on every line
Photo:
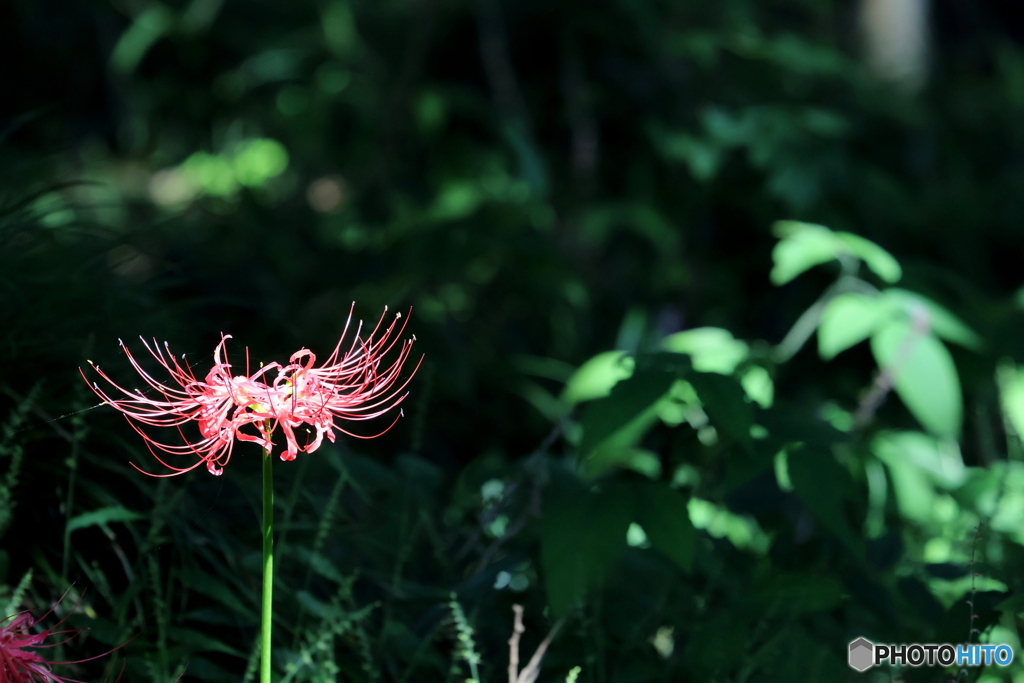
532, 670
513, 644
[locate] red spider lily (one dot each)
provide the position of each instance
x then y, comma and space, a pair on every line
219, 405
18, 665
350, 386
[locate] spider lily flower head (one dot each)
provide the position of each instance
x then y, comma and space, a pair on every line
351, 385
21, 665
220, 405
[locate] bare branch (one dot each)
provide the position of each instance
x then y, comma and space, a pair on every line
532, 670
513, 645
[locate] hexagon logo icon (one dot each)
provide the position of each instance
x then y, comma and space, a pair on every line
862, 654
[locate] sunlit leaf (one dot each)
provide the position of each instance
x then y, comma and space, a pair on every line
631, 399
712, 349
803, 246
758, 385
938, 458
917, 463
925, 377
849, 319
877, 259
610, 455
596, 377
1012, 393
941, 321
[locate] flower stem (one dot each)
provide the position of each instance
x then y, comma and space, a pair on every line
268, 565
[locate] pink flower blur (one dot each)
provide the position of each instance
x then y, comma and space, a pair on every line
19, 665
351, 385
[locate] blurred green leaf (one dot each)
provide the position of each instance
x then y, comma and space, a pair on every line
802, 246
213, 587
615, 453
942, 322
725, 401
924, 375
257, 161
711, 348
149, 26
631, 400
663, 514
824, 486
596, 377
758, 385
805, 245
114, 513
582, 535
849, 319
938, 458
456, 200
1011, 385
876, 258
917, 463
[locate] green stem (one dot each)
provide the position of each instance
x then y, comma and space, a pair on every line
268, 565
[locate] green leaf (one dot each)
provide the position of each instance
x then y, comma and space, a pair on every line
803, 246
596, 377
823, 484
1011, 386
664, 516
925, 376
326, 611
849, 319
724, 400
631, 404
758, 385
712, 349
582, 535
877, 259
318, 563
919, 464
213, 587
939, 459
915, 494
114, 513
941, 321
610, 455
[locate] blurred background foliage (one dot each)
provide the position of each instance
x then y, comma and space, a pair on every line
692, 446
